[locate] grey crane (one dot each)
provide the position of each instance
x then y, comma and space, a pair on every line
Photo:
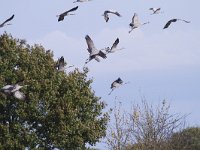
61, 64
106, 16
81, 1
135, 22
8, 89
114, 47
5, 22
174, 20
13, 89
94, 53
155, 10
62, 16
117, 83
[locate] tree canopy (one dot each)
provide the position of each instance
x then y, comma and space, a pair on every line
187, 139
60, 109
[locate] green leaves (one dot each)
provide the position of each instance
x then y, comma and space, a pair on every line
60, 109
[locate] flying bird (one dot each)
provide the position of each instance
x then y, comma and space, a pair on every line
67, 13
117, 83
81, 1
135, 22
106, 16
94, 53
8, 89
14, 90
61, 64
4, 23
155, 10
114, 47
174, 20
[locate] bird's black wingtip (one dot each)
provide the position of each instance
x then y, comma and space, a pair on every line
87, 36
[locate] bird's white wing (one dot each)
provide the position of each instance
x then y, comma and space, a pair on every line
19, 95
7, 87
135, 20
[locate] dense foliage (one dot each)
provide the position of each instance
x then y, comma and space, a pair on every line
60, 109
187, 139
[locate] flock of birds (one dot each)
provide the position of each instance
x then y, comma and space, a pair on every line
94, 53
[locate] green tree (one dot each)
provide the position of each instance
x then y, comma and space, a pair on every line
60, 109
187, 139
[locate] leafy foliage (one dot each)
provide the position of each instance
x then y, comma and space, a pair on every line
60, 109
187, 139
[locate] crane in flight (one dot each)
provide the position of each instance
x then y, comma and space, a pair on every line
61, 64
106, 16
117, 83
135, 23
7, 20
94, 53
10, 88
13, 89
67, 13
155, 10
114, 47
174, 20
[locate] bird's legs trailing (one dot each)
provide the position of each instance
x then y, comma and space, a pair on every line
184, 20
111, 91
145, 23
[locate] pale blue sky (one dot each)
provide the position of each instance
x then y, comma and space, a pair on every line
160, 64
